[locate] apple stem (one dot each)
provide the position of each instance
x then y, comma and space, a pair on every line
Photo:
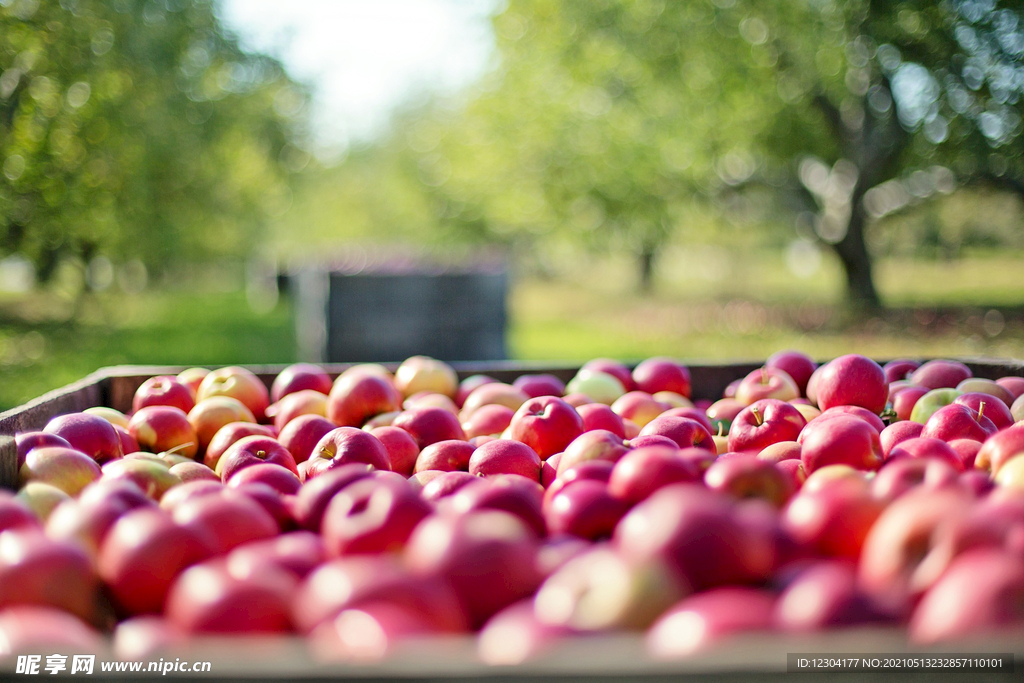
180, 447
764, 377
721, 428
981, 410
757, 416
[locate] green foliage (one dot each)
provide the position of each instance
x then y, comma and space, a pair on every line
137, 129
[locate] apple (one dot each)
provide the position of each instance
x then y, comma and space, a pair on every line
746, 476
905, 401
114, 417
422, 373
540, 385
253, 450
978, 385
957, 421
493, 393
302, 402
402, 450
1017, 409
281, 479
662, 374
505, 456
600, 387
367, 634
212, 413
238, 383
600, 416
42, 499
903, 474
227, 435
446, 484
700, 622
546, 424
346, 445
685, 432
297, 552
763, 423
230, 517
33, 628
698, 534
425, 399
508, 493
193, 471
488, 558
638, 406
357, 397
940, 374
842, 439
852, 380
724, 411
192, 377
692, 413
469, 384
489, 419
142, 554
1011, 474
448, 456
299, 377
613, 368
766, 383
188, 490
164, 390
152, 476
371, 516
989, 406
601, 589
26, 441
160, 429
429, 425
642, 471
1015, 385
301, 435
207, 598
824, 595
67, 469
585, 509
900, 369
797, 365
832, 520
824, 476
315, 494
598, 444
36, 570
146, 637
90, 434
897, 432
14, 514
515, 635
856, 411
967, 450
780, 452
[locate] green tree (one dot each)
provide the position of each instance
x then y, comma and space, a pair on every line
137, 129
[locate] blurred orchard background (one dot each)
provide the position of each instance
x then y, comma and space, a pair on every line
711, 179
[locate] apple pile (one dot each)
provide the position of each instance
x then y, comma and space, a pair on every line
376, 507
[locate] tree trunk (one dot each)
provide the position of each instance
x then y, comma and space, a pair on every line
853, 254
646, 264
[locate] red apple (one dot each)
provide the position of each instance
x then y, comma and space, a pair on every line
967, 450
856, 411
160, 429
372, 516
896, 370
685, 432
702, 621
766, 383
299, 377
903, 474
585, 509
905, 399
90, 434
987, 406
35, 570
795, 364
346, 445
763, 423
446, 484
230, 517
297, 552
67, 469
600, 416
211, 414
301, 435
429, 425
747, 476
957, 421
832, 520
824, 595
1015, 385
939, 374
490, 419
448, 456
843, 439
898, 432
253, 450
357, 397
29, 628
275, 476
539, 385
724, 411
304, 402
642, 471
852, 380
402, 450
927, 448
469, 384
662, 374
508, 493
692, 413
164, 390
227, 435
237, 383
315, 494
505, 456
546, 424
999, 448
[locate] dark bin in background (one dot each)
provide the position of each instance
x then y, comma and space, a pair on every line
387, 309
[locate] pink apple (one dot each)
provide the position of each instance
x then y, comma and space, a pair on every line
642, 471
346, 445
763, 423
371, 516
967, 450
904, 400
896, 370
446, 484
193, 471
843, 439
192, 377
14, 514
724, 410
824, 595
508, 493
402, 450
902, 474
164, 390
279, 478
227, 435
152, 476
303, 402
230, 517
852, 380
493, 393
546, 424
662, 374
429, 425
238, 383
702, 621
357, 397
780, 452
1015, 385
36, 570
692, 413
90, 434
301, 435
299, 377
600, 416
540, 385
927, 448
593, 445
939, 374
834, 519
297, 552
467, 386
26, 441
515, 635
505, 456
638, 406
254, 450
999, 448
746, 476
160, 429
448, 456
797, 365
856, 411
957, 421
987, 406
766, 383
585, 509
897, 432
489, 419
685, 432
315, 494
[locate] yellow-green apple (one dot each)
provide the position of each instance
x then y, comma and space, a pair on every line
299, 377
843, 439
192, 471
1017, 409
601, 589
1011, 474
961, 605
897, 432
446, 484
238, 383
988, 406
539, 385
613, 368
990, 387
160, 429
315, 494
763, 423
429, 425
301, 435
701, 622
600, 386
766, 383
825, 595
903, 474
281, 479
356, 397
152, 476
905, 399
37, 570
402, 450
429, 399
487, 557
346, 445
228, 435
114, 417
797, 365
493, 393
67, 469
546, 424
208, 598
900, 369
449, 455
14, 514
939, 374
832, 520
1015, 385
164, 390
372, 516
422, 373
487, 420
515, 635
780, 451
662, 374
468, 385
698, 535
957, 421
511, 493
90, 434
253, 450
597, 444
302, 402
229, 516
676, 400
808, 411
212, 413
42, 499
642, 471
638, 406
600, 416
505, 456
852, 380
26, 441
746, 476
684, 431
143, 553
193, 377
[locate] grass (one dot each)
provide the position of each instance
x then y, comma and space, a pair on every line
712, 305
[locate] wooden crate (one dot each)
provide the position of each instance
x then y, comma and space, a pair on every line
608, 658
